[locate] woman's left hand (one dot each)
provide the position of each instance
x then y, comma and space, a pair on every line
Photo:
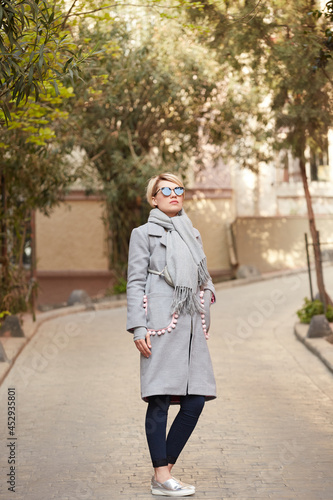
144, 346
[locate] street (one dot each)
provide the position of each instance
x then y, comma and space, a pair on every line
79, 419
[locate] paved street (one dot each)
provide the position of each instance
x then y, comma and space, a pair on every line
79, 417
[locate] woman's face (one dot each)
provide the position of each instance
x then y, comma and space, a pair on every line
170, 205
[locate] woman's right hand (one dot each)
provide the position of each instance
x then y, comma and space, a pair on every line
144, 345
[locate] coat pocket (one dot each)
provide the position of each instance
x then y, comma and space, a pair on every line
159, 317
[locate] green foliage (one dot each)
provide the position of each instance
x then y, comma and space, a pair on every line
311, 308
137, 112
33, 175
33, 166
324, 55
36, 47
14, 290
34, 120
3, 315
119, 287
38, 41
270, 50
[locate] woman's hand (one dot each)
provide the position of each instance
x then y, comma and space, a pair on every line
144, 346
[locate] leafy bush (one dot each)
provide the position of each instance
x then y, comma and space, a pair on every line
3, 315
120, 286
311, 308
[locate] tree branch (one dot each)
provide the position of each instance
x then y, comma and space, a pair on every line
130, 144
101, 153
123, 5
248, 14
68, 14
327, 76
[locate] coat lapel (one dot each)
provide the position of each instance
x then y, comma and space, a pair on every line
156, 230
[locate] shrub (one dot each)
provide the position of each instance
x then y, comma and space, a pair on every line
311, 308
118, 288
3, 315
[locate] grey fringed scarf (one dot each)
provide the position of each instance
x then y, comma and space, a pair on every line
185, 259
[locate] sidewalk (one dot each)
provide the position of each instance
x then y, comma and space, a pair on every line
79, 424
14, 345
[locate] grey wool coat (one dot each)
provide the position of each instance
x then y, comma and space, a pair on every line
180, 362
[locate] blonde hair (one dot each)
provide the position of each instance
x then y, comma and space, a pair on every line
154, 181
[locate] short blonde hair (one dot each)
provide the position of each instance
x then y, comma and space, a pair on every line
154, 181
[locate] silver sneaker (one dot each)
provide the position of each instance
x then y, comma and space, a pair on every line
178, 481
171, 488
184, 484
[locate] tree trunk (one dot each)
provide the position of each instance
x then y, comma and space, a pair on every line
33, 269
3, 228
324, 297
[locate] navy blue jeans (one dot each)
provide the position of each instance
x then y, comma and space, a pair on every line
165, 450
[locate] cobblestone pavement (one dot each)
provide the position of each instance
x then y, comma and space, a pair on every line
79, 417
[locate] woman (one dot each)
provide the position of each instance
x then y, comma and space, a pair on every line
169, 292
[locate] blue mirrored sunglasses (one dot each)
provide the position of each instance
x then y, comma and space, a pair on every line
166, 191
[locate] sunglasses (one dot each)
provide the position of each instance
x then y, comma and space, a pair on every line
166, 191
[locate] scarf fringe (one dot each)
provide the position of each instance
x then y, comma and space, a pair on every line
184, 300
203, 274
185, 259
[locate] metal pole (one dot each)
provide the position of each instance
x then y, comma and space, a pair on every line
321, 269
308, 259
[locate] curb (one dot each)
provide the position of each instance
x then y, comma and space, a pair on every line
13, 346
261, 277
318, 346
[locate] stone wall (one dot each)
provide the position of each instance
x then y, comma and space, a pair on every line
274, 243
212, 216
73, 237
71, 250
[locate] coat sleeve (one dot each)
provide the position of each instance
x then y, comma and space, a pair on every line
209, 285
138, 262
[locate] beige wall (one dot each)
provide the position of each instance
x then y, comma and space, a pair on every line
210, 217
71, 243
71, 248
274, 243
72, 238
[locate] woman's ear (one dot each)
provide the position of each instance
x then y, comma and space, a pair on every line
154, 203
